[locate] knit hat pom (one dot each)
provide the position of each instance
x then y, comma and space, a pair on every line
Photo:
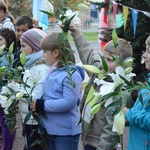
33, 38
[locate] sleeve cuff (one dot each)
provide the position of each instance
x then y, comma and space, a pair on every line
39, 105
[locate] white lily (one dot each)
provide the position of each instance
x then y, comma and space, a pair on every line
108, 87
120, 71
119, 123
68, 14
13, 85
48, 6
33, 79
5, 103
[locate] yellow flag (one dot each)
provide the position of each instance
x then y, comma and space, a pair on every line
125, 14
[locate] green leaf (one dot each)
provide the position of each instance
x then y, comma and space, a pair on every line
126, 81
11, 47
92, 69
96, 108
23, 58
90, 94
143, 85
48, 13
27, 117
115, 38
111, 95
104, 64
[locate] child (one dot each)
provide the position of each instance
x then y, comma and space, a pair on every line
5, 22
35, 68
23, 23
7, 36
99, 135
139, 116
60, 100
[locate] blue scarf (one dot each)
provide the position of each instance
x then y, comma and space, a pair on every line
32, 58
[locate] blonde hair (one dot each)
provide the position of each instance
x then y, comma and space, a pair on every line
53, 41
123, 49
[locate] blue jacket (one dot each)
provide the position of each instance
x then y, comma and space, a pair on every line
139, 119
60, 102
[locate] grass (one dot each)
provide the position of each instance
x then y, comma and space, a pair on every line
90, 36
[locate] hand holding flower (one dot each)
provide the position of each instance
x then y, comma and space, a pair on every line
33, 105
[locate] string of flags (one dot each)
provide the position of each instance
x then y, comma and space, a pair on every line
125, 14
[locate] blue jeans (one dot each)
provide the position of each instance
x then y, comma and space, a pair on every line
87, 147
62, 142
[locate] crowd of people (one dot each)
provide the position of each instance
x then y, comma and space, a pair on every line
59, 104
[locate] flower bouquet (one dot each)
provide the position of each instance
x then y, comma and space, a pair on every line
10, 86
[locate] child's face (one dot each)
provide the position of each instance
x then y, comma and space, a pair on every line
20, 30
51, 57
2, 41
26, 48
110, 62
146, 57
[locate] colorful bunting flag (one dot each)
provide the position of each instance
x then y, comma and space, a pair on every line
125, 14
115, 6
134, 20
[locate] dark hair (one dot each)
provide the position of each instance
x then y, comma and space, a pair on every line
52, 42
3, 7
9, 36
24, 19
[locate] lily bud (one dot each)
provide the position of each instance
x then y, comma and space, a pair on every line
128, 70
92, 69
128, 62
119, 123
19, 95
48, 6
2, 49
2, 69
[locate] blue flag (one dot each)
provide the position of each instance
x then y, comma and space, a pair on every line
39, 16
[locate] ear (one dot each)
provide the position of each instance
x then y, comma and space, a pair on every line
56, 53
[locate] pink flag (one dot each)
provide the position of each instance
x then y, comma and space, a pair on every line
115, 6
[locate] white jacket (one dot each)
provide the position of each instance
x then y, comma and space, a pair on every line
34, 77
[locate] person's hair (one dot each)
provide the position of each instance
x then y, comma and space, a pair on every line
24, 19
3, 6
9, 36
124, 49
147, 42
52, 41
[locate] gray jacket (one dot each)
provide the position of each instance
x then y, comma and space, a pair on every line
99, 133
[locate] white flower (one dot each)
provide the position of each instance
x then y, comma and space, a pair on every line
48, 6
69, 14
30, 78
120, 71
13, 85
108, 87
5, 103
119, 123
